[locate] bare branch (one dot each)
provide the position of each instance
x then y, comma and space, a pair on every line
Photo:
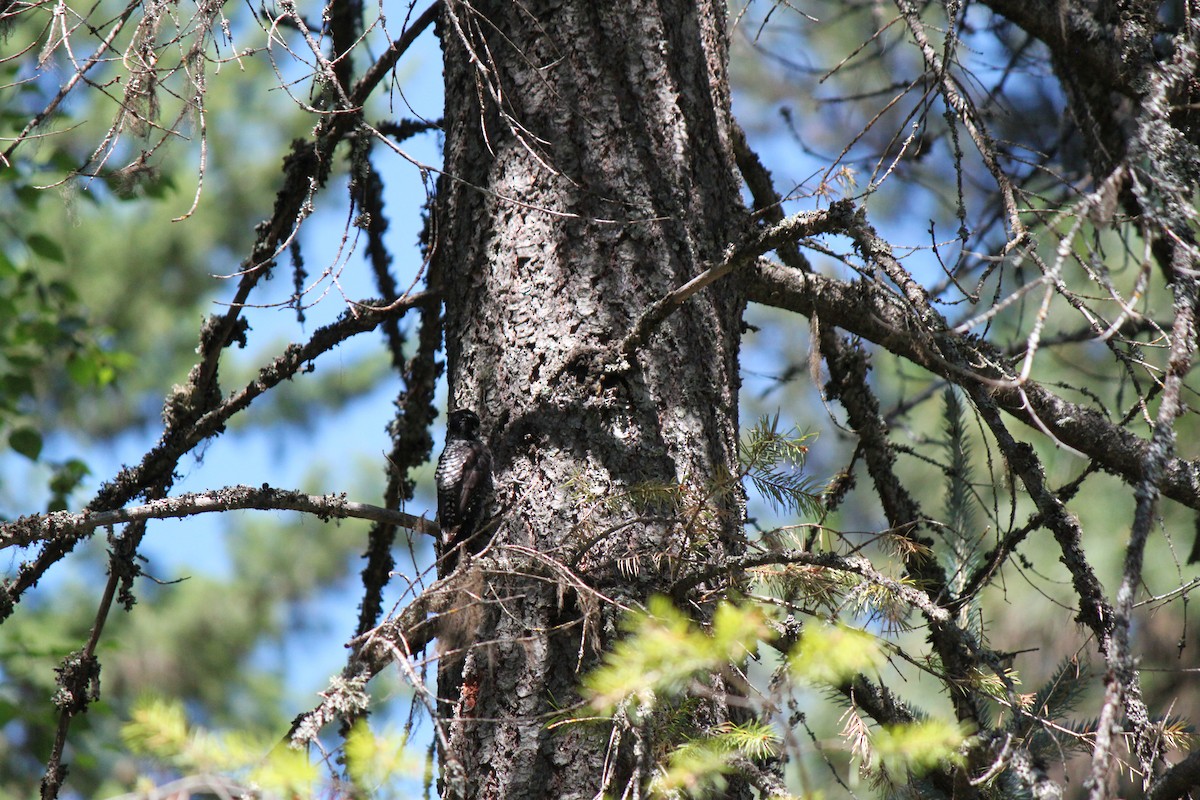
1125, 689
379, 70
967, 113
868, 311
160, 461
1179, 780
28, 530
855, 565
809, 223
104, 49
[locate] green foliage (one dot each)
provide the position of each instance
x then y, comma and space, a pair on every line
1057, 698
45, 324
651, 497
205, 640
653, 671
65, 479
664, 651
1060, 695
110, 282
893, 754
832, 653
773, 461
960, 529
960, 502
158, 729
159, 732
918, 747
698, 767
375, 760
820, 588
70, 324
101, 298
26, 441
43, 329
665, 658
991, 683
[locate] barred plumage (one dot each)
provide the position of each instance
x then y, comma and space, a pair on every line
464, 483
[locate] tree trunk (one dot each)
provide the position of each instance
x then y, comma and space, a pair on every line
588, 171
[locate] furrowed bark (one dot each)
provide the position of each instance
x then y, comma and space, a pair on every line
596, 177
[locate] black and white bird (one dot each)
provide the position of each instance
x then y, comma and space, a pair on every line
464, 483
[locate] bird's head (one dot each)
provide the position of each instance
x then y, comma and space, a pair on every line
462, 424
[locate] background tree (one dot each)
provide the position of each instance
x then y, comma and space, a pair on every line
974, 269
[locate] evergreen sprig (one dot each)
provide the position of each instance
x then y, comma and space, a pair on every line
773, 461
960, 530
1056, 698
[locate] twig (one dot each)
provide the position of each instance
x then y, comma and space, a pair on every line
866, 310
1179, 780
855, 565
1124, 690
834, 219
40, 527
66, 88
163, 457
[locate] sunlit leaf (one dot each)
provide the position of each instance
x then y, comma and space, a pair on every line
27, 441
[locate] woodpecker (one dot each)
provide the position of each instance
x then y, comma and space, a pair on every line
464, 483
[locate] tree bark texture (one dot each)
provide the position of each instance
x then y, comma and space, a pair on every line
588, 171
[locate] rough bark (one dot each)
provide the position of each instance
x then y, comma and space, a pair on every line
588, 172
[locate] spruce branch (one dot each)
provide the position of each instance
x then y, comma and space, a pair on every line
773, 461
